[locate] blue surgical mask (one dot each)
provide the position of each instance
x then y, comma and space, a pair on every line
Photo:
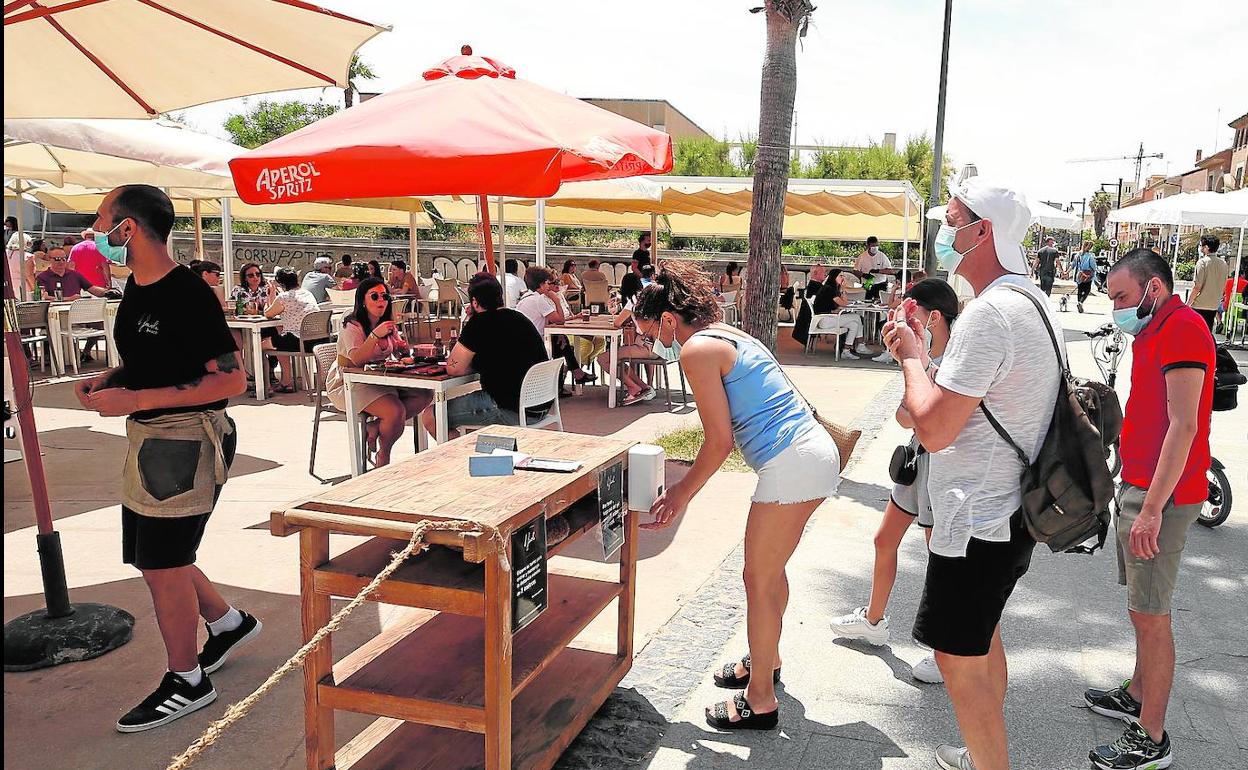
1129, 319
946, 254
114, 254
668, 353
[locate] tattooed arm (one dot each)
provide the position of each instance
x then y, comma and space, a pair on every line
223, 378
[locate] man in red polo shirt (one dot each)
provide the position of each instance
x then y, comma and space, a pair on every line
1165, 456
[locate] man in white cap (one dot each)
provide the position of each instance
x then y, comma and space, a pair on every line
320, 279
999, 360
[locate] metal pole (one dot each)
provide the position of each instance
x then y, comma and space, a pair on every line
169, 240
487, 237
25, 257
654, 240
905, 243
413, 251
539, 245
502, 248
938, 147
227, 246
199, 229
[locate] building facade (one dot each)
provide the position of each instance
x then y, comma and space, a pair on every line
656, 113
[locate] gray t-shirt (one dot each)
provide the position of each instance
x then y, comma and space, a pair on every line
999, 351
316, 283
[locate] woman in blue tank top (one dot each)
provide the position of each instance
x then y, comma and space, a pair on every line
744, 398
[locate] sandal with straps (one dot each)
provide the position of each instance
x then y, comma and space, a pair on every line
717, 716
728, 679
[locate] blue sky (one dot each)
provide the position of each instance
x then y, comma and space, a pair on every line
1032, 83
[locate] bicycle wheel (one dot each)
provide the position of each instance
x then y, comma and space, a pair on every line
1113, 459
1217, 508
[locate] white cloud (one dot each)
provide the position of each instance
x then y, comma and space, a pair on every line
1032, 84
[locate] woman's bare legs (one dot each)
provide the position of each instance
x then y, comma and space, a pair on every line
772, 533
391, 419
887, 540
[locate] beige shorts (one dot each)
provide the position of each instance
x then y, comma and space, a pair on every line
1150, 582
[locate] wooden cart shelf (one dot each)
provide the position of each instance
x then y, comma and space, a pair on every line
453, 686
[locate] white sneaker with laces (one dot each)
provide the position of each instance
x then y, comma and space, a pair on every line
856, 626
884, 358
926, 670
954, 758
862, 350
849, 354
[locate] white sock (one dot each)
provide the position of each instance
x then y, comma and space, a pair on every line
192, 677
231, 620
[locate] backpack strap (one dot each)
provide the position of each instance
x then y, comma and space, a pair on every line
1003, 433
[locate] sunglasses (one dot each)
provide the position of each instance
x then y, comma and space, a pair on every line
376, 296
253, 275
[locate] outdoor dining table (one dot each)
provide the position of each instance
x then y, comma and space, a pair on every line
58, 320
252, 326
596, 326
487, 672
867, 311
443, 386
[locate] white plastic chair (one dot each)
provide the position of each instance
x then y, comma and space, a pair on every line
836, 330
541, 386
315, 327
83, 313
341, 297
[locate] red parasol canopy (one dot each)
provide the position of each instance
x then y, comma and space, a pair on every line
469, 127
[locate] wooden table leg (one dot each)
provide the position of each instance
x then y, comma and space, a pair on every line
318, 721
497, 666
628, 577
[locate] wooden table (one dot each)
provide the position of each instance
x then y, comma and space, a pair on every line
597, 326
58, 321
251, 326
454, 687
444, 388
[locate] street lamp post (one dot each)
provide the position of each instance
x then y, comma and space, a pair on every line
938, 147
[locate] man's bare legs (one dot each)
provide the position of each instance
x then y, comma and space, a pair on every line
175, 599
1154, 670
976, 685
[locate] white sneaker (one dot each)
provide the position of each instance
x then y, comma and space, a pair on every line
884, 358
849, 354
856, 626
926, 670
954, 758
862, 350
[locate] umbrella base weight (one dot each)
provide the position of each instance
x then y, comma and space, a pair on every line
36, 640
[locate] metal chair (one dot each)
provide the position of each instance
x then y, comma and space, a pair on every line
33, 323
659, 366
315, 327
83, 314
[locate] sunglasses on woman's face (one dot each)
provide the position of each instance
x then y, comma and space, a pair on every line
377, 296
253, 275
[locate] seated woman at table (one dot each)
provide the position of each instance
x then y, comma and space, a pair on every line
730, 281
569, 280
251, 289
501, 345
374, 269
744, 398
359, 273
636, 346
292, 303
369, 334
830, 299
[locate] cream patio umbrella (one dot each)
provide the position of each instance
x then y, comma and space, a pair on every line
138, 59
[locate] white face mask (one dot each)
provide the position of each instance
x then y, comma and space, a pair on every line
872, 250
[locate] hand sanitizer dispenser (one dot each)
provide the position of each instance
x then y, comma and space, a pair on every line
646, 476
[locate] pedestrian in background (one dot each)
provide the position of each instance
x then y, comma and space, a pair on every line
1165, 459
1046, 265
1212, 273
1083, 265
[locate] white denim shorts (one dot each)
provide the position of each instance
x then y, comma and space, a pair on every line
808, 469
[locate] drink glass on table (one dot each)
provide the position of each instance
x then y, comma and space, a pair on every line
585, 314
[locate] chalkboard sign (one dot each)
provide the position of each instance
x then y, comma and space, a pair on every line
611, 508
528, 574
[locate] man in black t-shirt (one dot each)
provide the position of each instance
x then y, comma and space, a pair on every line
179, 367
1046, 265
501, 345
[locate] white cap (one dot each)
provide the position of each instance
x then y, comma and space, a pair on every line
326, 262
1008, 212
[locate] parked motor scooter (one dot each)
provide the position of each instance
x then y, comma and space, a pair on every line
1099, 281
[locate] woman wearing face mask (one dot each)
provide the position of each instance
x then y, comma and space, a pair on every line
368, 335
936, 305
831, 299
744, 397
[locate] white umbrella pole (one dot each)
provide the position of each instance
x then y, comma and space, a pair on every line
502, 250
227, 246
169, 240
654, 240
539, 247
905, 243
199, 228
413, 250
21, 244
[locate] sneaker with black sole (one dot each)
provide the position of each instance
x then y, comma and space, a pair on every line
173, 699
1116, 703
1134, 750
219, 647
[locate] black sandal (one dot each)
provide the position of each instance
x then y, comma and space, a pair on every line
728, 679
717, 716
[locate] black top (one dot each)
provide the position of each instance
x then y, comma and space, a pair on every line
1046, 261
505, 345
801, 327
630, 284
825, 300
167, 332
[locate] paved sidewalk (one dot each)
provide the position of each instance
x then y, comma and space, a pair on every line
849, 705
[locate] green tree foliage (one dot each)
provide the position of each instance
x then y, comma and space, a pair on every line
358, 71
268, 120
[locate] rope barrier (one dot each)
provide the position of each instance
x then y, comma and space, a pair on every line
240, 709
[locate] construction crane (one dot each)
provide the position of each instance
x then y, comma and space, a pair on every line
1138, 157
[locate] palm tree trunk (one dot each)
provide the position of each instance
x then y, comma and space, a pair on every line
348, 97
771, 167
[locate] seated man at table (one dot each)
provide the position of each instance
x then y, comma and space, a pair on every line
344, 270
593, 272
401, 281
501, 345
543, 304
211, 273
317, 280
69, 282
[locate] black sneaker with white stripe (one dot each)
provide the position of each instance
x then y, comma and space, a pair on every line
1116, 703
1134, 750
174, 698
218, 647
